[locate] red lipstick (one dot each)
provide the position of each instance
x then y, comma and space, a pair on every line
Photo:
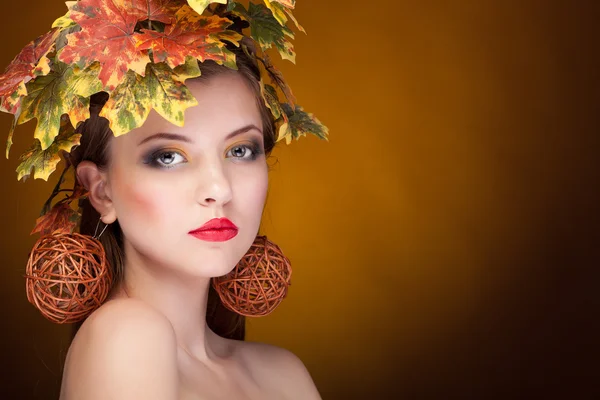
216, 230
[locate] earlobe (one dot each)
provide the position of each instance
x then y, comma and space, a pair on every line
95, 181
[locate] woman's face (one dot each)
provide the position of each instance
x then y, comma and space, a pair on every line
166, 181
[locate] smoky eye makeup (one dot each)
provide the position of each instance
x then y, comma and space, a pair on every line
246, 151
164, 158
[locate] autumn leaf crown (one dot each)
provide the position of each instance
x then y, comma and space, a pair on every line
141, 52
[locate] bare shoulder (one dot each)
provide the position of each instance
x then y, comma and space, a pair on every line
279, 369
124, 350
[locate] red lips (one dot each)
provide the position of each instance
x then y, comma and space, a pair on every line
216, 230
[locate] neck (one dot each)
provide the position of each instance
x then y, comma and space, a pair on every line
181, 299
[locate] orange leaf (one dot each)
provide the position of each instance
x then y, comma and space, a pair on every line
197, 39
108, 36
60, 219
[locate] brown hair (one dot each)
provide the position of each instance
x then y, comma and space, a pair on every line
94, 147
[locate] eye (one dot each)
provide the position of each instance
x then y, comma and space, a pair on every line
165, 159
244, 152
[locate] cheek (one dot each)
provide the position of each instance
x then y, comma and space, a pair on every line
253, 190
140, 197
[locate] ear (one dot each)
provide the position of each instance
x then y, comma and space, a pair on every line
96, 182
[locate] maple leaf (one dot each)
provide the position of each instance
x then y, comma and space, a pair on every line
167, 94
282, 9
269, 94
65, 21
60, 219
127, 108
277, 78
287, 3
155, 10
267, 31
9, 141
66, 90
200, 5
198, 39
108, 36
32, 61
161, 89
278, 11
44, 162
300, 123
187, 14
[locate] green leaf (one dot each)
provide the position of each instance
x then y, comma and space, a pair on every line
300, 123
265, 29
44, 162
282, 9
271, 99
66, 90
278, 11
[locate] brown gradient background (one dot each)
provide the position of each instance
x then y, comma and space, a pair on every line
444, 241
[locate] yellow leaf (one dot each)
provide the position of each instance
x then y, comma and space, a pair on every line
200, 5
9, 141
123, 110
161, 88
64, 22
44, 162
167, 95
271, 99
278, 11
66, 90
289, 13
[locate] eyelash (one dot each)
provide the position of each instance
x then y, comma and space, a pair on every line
154, 156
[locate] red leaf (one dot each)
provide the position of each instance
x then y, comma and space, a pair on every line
157, 10
108, 35
23, 69
184, 39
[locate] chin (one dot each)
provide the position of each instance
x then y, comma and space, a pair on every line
210, 265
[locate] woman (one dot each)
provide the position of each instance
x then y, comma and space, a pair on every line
161, 183
178, 203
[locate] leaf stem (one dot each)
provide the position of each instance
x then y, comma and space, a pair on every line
55, 192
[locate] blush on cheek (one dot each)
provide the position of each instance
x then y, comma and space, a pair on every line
140, 200
136, 197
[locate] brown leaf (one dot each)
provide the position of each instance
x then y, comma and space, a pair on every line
60, 219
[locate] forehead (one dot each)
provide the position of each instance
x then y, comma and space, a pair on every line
226, 102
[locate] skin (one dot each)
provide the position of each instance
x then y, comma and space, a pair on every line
150, 340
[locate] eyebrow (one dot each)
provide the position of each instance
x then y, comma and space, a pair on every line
175, 136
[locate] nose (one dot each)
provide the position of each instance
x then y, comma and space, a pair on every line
214, 186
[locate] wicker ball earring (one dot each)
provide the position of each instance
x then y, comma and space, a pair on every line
258, 283
67, 276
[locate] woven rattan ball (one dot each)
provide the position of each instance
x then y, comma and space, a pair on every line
259, 282
67, 276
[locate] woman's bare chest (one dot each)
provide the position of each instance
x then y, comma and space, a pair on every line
200, 383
